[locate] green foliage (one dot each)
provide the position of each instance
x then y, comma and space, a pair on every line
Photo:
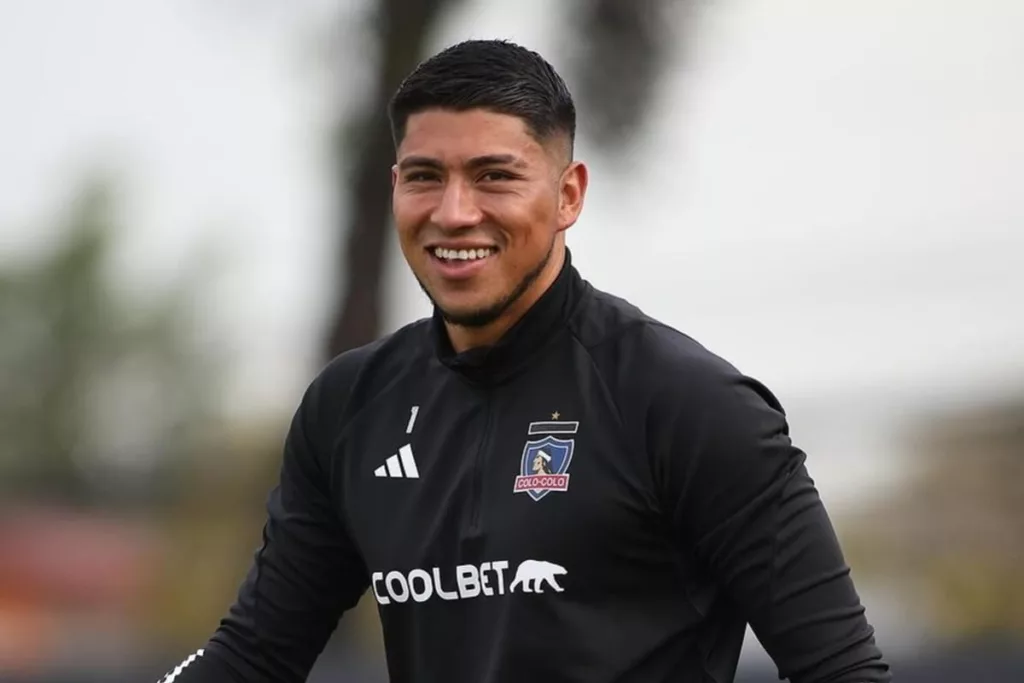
101, 391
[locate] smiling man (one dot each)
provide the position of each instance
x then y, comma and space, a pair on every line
482, 200
539, 483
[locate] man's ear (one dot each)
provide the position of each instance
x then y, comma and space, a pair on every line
394, 175
571, 194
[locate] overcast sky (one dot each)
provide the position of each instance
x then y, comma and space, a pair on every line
830, 196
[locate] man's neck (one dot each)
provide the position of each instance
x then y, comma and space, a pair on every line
465, 338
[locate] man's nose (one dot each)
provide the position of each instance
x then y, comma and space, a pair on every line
457, 208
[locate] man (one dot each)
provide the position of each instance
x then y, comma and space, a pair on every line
674, 510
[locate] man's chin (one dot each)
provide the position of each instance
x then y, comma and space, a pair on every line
472, 316
480, 313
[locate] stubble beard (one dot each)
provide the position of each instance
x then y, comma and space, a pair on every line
485, 316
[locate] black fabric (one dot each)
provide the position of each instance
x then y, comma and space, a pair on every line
677, 510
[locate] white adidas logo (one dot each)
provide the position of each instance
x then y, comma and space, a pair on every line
400, 465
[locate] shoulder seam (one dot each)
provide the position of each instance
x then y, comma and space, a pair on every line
588, 348
366, 352
600, 374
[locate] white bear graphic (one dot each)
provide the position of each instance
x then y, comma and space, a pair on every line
532, 573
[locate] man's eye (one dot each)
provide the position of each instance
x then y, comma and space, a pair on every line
420, 177
491, 176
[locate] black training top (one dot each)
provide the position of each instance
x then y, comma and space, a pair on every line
595, 498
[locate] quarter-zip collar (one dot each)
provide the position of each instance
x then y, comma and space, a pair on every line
545, 319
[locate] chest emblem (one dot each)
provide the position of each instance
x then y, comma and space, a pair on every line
545, 462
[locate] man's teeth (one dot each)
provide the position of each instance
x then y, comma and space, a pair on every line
462, 254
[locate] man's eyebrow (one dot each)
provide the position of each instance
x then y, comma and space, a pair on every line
419, 162
474, 163
496, 160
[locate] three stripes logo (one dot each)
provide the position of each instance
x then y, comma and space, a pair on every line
399, 466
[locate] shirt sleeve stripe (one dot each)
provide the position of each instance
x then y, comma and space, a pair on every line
177, 671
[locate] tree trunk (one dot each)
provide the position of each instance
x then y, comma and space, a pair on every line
617, 60
403, 27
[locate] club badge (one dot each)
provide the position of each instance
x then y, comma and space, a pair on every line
545, 462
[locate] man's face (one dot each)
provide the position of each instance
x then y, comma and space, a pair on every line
478, 203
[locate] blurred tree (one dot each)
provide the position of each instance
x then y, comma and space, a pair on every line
365, 153
954, 539
218, 519
99, 390
622, 48
618, 52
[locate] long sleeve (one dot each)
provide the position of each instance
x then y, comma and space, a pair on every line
304, 576
742, 502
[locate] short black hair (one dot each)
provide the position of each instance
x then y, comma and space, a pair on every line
496, 75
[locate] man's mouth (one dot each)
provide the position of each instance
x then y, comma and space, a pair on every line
459, 255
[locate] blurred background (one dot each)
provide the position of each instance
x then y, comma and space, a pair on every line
194, 217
